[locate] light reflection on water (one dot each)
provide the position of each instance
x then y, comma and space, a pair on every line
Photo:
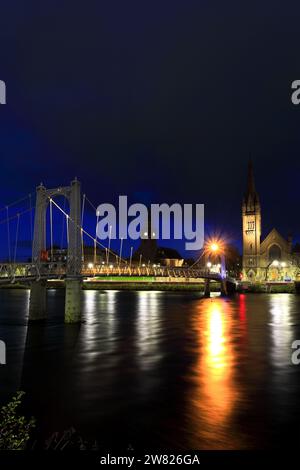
162, 368
148, 326
215, 393
281, 329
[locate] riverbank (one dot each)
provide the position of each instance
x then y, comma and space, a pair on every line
150, 286
127, 286
153, 285
265, 288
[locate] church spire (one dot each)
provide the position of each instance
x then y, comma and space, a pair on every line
250, 183
251, 196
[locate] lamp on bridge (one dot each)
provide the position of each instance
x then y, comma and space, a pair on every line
91, 267
215, 248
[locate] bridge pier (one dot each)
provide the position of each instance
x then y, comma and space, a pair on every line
37, 301
224, 290
73, 300
207, 288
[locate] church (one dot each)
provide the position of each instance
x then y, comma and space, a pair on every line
270, 259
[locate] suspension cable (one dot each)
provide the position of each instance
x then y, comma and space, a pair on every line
63, 227
82, 209
82, 246
7, 221
95, 251
95, 245
8, 235
81, 233
31, 219
85, 232
51, 231
17, 235
91, 204
17, 201
67, 224
197, 260
12, 217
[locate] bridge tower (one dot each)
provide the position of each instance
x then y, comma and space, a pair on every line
74, 262
251, 215
37, 305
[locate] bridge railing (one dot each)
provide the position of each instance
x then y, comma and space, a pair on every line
16, 271
158, 271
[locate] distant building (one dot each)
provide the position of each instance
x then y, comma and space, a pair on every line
169, 257
270, 259
59, 255
150, 252
95, 256
90, 255
160, 255
147, 251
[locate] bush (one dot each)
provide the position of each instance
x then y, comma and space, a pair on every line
15, 430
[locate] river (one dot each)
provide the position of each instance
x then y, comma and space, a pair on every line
163, 369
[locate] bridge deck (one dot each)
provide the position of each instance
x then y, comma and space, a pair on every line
29, 272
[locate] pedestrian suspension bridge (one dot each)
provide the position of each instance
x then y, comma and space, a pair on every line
42, 265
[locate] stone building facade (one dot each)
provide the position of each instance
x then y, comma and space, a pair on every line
270, 259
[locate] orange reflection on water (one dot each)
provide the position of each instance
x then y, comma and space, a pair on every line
215, 392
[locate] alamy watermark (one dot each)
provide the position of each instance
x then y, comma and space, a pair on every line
2, 92
296, 354
2, 352
177, 221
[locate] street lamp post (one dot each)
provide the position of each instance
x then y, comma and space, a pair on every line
121, 246
131, 251
108, 251
215, 249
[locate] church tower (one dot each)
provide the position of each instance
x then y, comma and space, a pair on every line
251, 213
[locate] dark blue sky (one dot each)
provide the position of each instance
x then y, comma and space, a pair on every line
162, 101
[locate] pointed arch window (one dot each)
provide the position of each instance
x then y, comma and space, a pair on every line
274, 253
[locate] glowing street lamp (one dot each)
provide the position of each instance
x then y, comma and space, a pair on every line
91, 267
214, 247
208, 265
275, 263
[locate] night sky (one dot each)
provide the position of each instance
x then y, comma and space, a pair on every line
162, 101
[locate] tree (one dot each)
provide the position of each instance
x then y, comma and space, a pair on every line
233, 260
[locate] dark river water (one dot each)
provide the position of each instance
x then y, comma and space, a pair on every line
159, 369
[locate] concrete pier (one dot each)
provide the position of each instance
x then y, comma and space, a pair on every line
73, 300
207, 288
224, 291
37, 301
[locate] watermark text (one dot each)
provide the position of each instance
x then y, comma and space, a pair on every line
2, 92
177, 221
